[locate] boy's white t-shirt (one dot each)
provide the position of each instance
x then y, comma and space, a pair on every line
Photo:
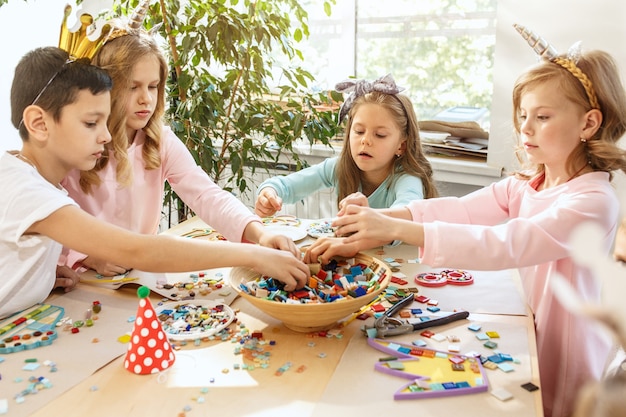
27, 262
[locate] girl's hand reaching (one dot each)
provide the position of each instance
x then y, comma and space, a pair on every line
357, 199
325, 248
360, 223
268, 202
275, 241
370, 225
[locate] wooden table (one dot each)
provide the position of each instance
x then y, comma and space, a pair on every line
335, 377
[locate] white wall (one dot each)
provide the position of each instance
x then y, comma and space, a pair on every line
599, 24
25, 26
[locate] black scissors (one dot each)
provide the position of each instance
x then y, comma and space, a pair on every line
387, 325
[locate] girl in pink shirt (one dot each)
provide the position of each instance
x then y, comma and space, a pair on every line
126, 187
569, 116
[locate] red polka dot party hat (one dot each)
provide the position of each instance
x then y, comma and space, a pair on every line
149, 351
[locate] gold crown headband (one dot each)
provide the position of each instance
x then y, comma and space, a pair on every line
82, 43
544, 50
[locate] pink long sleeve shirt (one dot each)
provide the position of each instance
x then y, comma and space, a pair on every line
511, 225
137, 207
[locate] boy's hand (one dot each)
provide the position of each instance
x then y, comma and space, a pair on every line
66, 278
275, 241
268, 202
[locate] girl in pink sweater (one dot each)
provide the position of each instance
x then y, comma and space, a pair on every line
569, 115
126, 187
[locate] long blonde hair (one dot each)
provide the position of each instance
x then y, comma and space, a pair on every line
601, 150
118, 57
412, 162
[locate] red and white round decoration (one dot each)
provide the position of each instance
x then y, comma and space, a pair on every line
149, 351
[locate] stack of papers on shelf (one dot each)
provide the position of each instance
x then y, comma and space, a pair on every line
454, 139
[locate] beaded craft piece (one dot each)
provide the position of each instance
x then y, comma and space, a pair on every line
432, 373
197, 284
205, 233
112, 282
320, 229
194, 320
445, 277
285, 225
30, 329
282, 220
175, 286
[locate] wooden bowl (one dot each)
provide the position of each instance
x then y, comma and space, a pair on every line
311, 317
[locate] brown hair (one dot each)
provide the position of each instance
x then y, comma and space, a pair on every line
47, 78
412, 161
118, 57
601, 150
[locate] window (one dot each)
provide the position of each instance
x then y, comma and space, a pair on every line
441, 51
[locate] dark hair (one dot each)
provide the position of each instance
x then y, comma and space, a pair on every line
45, 77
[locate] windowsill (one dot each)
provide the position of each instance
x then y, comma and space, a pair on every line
458, 171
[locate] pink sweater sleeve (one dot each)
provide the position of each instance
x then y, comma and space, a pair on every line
215, 206
508, 224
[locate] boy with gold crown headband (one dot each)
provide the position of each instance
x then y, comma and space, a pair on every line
126, 186
569, 115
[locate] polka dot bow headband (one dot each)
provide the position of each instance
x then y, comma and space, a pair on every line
359, 88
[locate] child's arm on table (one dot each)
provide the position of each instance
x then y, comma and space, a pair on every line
256, 232
75, 229
366, 228
384, 225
